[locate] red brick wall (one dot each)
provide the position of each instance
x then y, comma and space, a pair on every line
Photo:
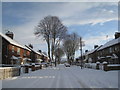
16, 54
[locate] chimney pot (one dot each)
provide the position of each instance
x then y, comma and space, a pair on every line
117, 35
95, 46
10, 34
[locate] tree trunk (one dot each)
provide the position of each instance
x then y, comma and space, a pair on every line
68, 59
49, 50
48, 44
55, 62
53, 47
52, 50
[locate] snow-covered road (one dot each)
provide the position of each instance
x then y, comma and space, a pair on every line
64, 77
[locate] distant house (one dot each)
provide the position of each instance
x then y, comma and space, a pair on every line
110, 51
12, 51
37, 56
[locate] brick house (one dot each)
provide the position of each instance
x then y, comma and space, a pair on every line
37, 56
45, 58
110, 51
12, 51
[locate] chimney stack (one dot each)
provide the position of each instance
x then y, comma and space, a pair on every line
10, 34
117, 35
86, 51
95, 46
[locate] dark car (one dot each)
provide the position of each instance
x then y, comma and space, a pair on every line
67, 65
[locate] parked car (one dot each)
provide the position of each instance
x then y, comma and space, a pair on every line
67, 65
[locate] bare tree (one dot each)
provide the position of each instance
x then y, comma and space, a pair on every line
67, 48
58, 31
58, 54
43, 29
51, 29
70, 45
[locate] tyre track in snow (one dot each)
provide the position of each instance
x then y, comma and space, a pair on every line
78, 80
59, 79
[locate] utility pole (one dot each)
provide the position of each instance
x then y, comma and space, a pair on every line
58, 51
81, 51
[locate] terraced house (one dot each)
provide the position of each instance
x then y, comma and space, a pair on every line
12, 51
110, 51
15, 53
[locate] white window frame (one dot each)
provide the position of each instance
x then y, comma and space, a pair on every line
18, 51
13, 48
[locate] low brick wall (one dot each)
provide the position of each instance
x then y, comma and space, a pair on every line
6, 72
113, 67
105, 67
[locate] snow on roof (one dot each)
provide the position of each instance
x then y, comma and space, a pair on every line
44, 54
110, 43
92, 51
114, 55
39, 59
38, 52
11, 41
33, 50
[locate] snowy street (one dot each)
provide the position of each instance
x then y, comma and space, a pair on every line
64, 77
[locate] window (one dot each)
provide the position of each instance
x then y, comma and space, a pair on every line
116, 48
12, 48
18, 51
25, 52
110, 49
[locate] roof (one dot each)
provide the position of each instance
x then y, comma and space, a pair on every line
92, 51
38, 52
34, 50
110, 43
44, 55
11, 41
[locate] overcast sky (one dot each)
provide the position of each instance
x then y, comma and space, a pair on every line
91, 20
